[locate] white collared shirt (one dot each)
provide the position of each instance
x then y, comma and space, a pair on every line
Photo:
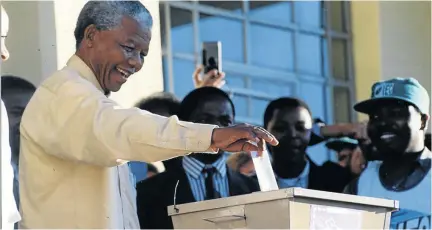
10, 214
75, 145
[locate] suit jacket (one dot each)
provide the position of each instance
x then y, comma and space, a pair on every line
155, 194
74, 143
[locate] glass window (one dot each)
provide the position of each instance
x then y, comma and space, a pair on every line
275, 12
325, 58
339, 59
308, 13
182, 34
336, 16
232, 6
290, 39
228, 31
241, 105
341, 105
271, 47
312, 94
235, 81
258, 109
309, 54
182, 71
272, 87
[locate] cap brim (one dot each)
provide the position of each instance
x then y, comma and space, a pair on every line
370, 105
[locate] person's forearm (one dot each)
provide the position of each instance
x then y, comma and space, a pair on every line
96, 130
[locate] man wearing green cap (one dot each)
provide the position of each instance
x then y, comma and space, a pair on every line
398, 117
349, 154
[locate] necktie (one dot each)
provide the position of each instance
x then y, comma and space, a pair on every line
210, 192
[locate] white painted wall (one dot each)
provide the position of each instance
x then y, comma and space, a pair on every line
405, 33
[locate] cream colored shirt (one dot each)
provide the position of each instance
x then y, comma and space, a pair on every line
74, 146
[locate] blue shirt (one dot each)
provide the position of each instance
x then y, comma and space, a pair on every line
139, 171
194, 172
301, 181
414, 204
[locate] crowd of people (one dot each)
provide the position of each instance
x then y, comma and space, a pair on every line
79, 160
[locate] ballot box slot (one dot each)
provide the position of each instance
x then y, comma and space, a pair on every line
226, 215
220, 219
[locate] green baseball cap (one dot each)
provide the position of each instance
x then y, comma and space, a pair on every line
404, 89
337, 144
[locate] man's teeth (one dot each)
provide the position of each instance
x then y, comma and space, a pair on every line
125, 74
387, 136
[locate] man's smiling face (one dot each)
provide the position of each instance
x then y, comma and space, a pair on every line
394, 127
118, 53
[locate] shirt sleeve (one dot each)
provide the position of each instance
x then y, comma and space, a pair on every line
81, 124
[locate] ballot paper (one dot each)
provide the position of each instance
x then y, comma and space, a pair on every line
264, 171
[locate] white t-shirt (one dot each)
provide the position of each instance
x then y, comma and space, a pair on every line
414, 204
10, 214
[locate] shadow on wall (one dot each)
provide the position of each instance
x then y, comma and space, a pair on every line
31, 39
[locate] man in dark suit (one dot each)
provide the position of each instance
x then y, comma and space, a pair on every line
15, 93
290, 120
202, 176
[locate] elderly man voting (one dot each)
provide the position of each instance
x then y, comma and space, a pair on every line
75, 141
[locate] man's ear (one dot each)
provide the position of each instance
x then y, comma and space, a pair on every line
89, 35
424, 121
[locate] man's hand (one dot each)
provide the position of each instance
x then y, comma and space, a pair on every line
242, 138
211, 79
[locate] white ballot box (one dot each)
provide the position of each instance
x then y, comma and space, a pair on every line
293, 208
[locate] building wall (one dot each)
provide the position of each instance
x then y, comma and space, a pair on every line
366, 47
42, 41
406, 40
391, 39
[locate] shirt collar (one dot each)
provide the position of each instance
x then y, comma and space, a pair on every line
76, 63
194, 167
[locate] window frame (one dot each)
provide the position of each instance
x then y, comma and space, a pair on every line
293, 78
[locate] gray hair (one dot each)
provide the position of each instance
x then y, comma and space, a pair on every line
107, 15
